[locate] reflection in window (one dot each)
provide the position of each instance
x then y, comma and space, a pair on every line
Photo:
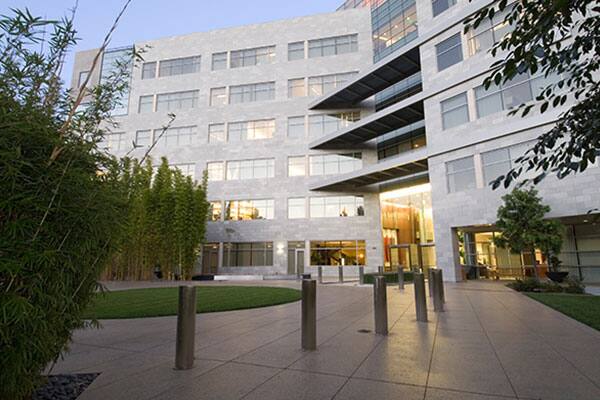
338, 252
296, 208
460, 174
295, 51
215, 171
250, 130
177, 101
329, 164
179, 136
251, 169
115, 61
296, 88
179, 66
117, 141
249, 57
324, 124
253, 254
216, 133
215, 211
252, 92
439, 6
449, 52
332, 46
242, 210
296, 166
336, 206
489, 31
394, 25
319, 85
218, 96
455, 111
219, 61
499, 162
296, 127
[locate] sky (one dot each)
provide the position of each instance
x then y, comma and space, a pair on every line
152, 19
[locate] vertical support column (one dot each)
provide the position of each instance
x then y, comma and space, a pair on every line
430, 281
341, 274
320, 274
420, 302
442, 292
309, 314
380, 304
400, 277
361, 275
186, 327
380, 270
438, 304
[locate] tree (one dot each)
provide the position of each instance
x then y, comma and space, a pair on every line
62, 202
523, 227
554, 38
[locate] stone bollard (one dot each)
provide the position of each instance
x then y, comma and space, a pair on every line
361, 275
401, 277
380, 305
438, 304
341, 274
442, 286
380, 270
420, 302
320, 274
186, 327
309, 314
430, 281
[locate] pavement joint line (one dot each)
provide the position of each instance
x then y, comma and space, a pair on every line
437, 322
485, 332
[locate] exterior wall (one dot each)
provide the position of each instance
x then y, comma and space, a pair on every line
279, 230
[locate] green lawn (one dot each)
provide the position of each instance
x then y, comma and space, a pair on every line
583, 308
156, 302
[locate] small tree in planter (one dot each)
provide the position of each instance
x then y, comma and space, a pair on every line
521, 221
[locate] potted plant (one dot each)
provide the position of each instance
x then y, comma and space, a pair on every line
554, 274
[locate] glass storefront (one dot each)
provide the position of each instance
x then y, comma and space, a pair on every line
337, 252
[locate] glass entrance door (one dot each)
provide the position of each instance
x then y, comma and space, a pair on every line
299, 261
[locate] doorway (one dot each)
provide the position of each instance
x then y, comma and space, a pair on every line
299, 261
210, 259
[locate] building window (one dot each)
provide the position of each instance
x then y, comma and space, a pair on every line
455, 111
324, 124
489, 32
249, 57
254, 254
114, 61
143, 138
250, 130
329, 164
295, 51
251, 169
439, 6
394, 25
449, 52
218, 96
460, 174
149, 70
243, 210
219, 61
177, 100
296, 127
180, 136
185, 169
336, 206
215, 210
83, 75
117, 141
332, 46
296, 88
216, 133
499, 162
215, 171
319, 85
296, 208
252, 92
179, 66
296, 166
146, 104
338, 252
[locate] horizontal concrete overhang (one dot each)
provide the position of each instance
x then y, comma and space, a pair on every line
392, 69
391, 118
412, 164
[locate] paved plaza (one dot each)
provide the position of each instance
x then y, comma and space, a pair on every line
490, 343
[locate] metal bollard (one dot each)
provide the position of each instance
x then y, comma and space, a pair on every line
420, 302
442, 286
320, 274
380, 303
361, 275
309, 314
430, 281
186, 327
341, 274
438, 304
380, 270
401, 277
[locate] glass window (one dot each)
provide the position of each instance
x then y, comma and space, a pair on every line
439, 6
117, 141
323, 124
179, 66
251, 130
449, 52
146, 104
517, 91
252, 92
327, 164
319, 85
296, 166
149, 70
488, 101
179, 136
215, 211
216, 133
332, 46
394, 25
296, 88
249, 57
215, 171
460, 174
176, 101
83, 75
489, 31
253, 254
219, 61
143, 138
296, 127
251, 169
218, 96
296, 208
336, 206
242, 210
117, 61
295, 51
500, 161
455, 111
185, 169
338, 252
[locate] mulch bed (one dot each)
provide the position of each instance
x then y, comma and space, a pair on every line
64, 387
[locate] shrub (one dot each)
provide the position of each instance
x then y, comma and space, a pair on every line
525, 285
574, 286
390, 277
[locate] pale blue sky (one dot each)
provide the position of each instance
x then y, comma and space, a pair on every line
151, 19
